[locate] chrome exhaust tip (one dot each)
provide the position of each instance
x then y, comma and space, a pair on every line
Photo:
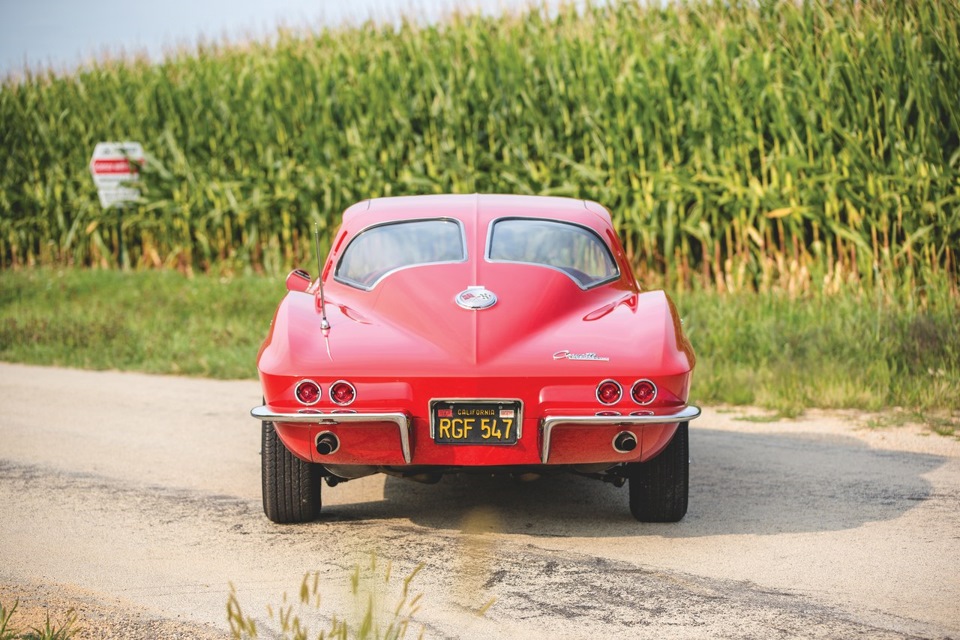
624, 442
327, 443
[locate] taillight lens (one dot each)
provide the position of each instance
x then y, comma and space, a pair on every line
308, 392
643, 392
342, 392
609, 392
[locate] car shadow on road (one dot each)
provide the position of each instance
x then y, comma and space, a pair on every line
740, 483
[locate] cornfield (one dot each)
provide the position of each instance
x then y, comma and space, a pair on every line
739, 145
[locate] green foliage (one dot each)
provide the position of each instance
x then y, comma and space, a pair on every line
941, 423
154, 321
849, 350
6, 630
52, 631
372, 618
739, 145
48, 632
842, 350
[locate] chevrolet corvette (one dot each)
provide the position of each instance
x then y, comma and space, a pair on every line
463, 333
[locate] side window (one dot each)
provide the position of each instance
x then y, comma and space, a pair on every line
378, 251
577, 251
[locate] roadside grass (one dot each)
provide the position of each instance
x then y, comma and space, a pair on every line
943, 423
153, 321
372, 615
944, 426
850, 350
49, 631
770, 417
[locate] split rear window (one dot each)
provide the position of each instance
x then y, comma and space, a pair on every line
383, 249
576, 251
380, 250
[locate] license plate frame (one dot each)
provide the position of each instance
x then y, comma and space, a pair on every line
476, 422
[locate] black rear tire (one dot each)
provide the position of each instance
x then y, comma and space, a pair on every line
659, 487
291, 487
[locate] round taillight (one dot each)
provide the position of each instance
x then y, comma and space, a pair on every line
342, 392
609, 392
308, 392
643, 392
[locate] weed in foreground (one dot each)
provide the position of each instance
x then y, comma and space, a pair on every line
371, 619
6, 631
47, 632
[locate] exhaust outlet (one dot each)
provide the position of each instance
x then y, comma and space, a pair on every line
624, 442
327, 443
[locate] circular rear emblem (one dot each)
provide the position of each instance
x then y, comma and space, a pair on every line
476, 298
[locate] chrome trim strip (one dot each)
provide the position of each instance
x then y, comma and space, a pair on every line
687, 413
401, 420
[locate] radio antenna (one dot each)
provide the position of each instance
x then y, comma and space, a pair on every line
324, 323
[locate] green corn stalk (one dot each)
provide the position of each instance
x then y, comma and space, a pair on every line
738, 145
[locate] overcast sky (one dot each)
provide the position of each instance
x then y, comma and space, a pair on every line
65, 33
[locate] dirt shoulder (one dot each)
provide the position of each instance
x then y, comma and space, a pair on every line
892, 431
91, 617
134, 501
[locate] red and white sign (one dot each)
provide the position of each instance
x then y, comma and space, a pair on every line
114, 166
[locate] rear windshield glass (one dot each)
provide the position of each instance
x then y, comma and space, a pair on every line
577, 251
381, 250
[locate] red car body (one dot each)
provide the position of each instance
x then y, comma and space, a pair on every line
498, 354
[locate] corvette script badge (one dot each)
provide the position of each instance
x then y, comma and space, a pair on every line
567, 355
476, 298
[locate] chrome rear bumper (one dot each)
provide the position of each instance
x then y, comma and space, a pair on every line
687, 413
401, 420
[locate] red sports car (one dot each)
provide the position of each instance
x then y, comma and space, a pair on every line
458, 333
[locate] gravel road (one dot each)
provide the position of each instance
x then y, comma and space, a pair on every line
135, 501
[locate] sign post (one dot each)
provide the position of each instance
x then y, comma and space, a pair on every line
114, 166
